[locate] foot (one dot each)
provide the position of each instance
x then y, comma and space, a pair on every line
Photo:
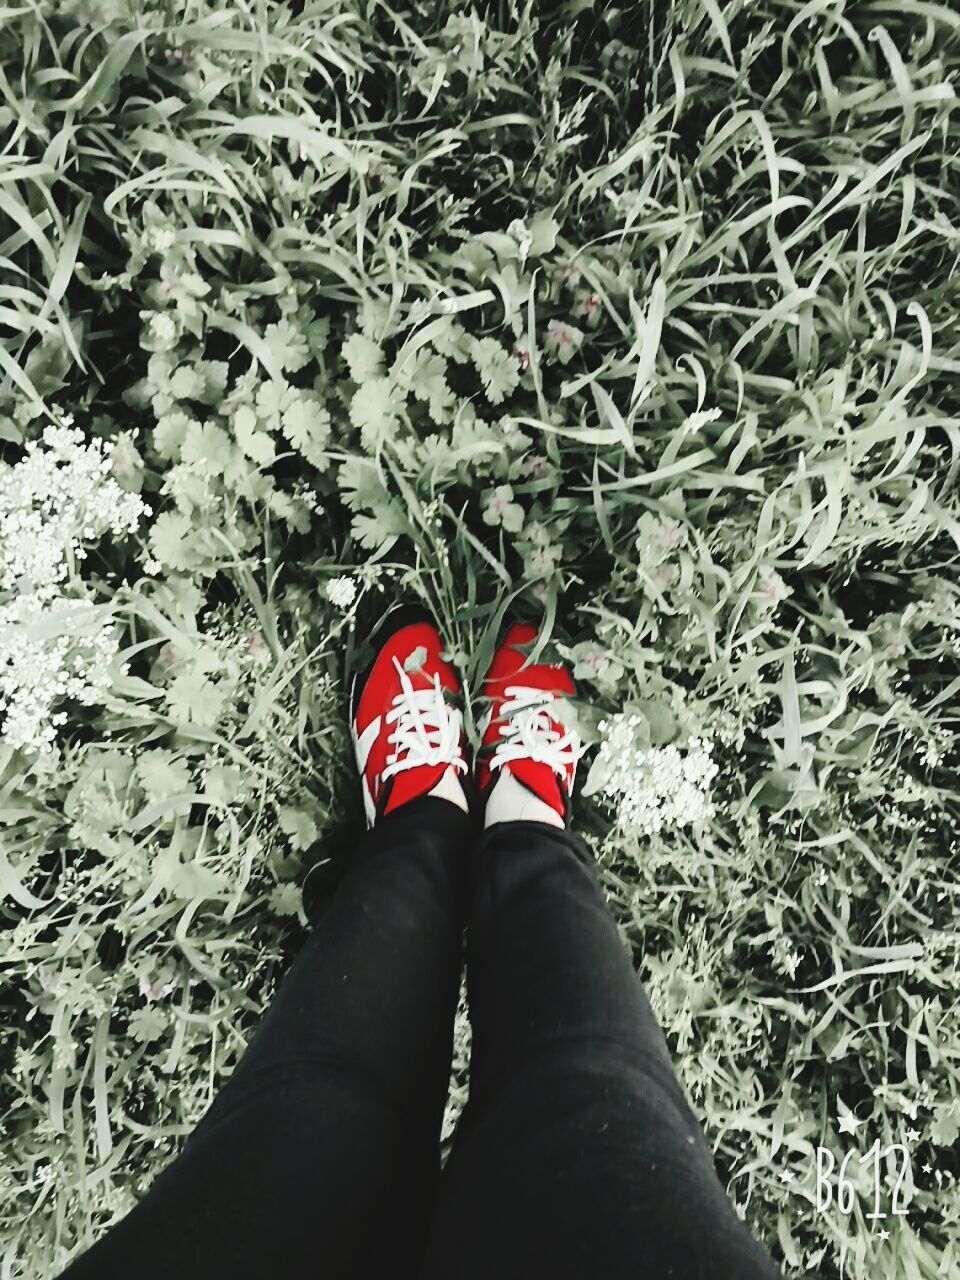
405, 718
528, 756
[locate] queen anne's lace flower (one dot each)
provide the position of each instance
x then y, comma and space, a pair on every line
55, 499
655, 787
159, 239
341, 592
54, 643
163, 329
50, 649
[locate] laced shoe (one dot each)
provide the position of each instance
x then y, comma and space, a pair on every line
406, 718
521, 733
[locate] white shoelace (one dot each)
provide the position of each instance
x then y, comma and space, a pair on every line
427, 729
528, 732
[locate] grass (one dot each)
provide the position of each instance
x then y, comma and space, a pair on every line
641, 319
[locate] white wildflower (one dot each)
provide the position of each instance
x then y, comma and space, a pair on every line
524, 240
785, 959
50, 650
155, 990
499, 508
257, 650
510, 434
55, 499
669, 533
163, 330
341, 592
541, 562
55, 646
538, 468
592, 662
658, 537
159, 239
181, 285
663, 575
589, 307
307, 495
656, 787
537, 533
770, 590
563, 340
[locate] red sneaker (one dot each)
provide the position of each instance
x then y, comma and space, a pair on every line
520, 732
405, 717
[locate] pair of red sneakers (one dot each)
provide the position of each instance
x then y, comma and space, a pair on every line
407, 719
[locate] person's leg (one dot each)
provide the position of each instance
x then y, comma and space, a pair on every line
320, 1155
577, 1154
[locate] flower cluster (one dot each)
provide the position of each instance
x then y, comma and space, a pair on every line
341, 592
55, 499
653, 787
50, 650
54, 644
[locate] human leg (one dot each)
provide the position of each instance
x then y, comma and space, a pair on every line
577, 1153
320, 1154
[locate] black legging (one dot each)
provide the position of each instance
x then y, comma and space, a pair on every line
577, 1155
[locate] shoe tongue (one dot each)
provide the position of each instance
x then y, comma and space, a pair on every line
542, 781
413, 783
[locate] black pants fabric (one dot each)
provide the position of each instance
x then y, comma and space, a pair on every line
576, 1156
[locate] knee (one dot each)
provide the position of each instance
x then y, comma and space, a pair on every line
302, 1101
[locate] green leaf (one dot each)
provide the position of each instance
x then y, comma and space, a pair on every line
214, 374
192, 698
186, 383
306, 425
425, 377
256, 444
543, 230
382, 529
298, 825
190, 881
207, 444
945, 1128
450, 338
373, 409
361, 484
499, 369
162, 774
287, 345
169, 434
223, 783
363, 356
169, 540
272, 398
148, 1024
286, 899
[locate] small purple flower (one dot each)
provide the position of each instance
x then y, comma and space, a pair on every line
155, 990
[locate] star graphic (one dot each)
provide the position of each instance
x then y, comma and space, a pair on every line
927, 1169
912, 1135
884, 1235
848, 1123
787, 1175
